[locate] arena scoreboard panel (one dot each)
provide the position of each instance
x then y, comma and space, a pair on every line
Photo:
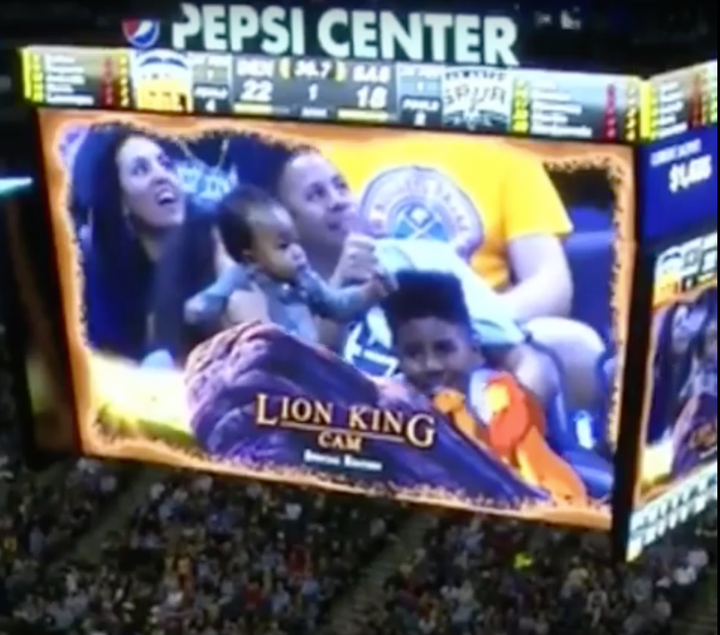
494, 100
680, 100
673, 509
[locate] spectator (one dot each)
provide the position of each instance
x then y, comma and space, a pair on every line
205, 554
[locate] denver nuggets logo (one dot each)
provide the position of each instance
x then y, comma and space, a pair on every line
416, 202
162, 81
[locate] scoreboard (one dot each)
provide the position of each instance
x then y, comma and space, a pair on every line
681, 100
518, 101
673, 509
526, 102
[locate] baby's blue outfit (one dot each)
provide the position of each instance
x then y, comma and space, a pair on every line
291, 305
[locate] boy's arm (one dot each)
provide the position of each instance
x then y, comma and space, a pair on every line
339, 305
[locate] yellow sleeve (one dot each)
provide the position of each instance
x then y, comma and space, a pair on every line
531, 204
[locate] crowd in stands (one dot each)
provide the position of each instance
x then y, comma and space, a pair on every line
46, 517
9, 454
41, 517
211, 556
484, 577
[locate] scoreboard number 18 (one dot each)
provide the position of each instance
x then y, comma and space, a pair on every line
372, 97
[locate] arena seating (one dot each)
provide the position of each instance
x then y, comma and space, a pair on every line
209, 555
202, 549
503, 577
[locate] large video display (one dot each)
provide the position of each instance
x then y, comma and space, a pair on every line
678, 458
434, 317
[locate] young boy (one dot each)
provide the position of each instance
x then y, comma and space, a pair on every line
271, 270
438, 354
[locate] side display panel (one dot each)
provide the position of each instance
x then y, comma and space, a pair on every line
678, 459
679, 101
25, 404
679, 184
469, 290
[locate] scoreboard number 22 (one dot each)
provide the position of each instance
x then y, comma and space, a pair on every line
256, 91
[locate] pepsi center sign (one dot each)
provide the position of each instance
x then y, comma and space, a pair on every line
336, 33
424, 70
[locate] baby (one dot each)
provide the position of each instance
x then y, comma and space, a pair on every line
260, 236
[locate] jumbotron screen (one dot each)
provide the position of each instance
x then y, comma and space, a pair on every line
678, 450
410, 314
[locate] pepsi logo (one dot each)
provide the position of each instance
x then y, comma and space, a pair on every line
141, 34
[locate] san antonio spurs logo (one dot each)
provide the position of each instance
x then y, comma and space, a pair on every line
416, 202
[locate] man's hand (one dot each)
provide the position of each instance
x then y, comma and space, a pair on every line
358, 263
380, 286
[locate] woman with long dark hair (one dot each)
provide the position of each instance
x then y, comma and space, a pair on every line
671, 369
144, 249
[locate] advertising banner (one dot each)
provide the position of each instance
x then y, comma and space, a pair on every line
678, 183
